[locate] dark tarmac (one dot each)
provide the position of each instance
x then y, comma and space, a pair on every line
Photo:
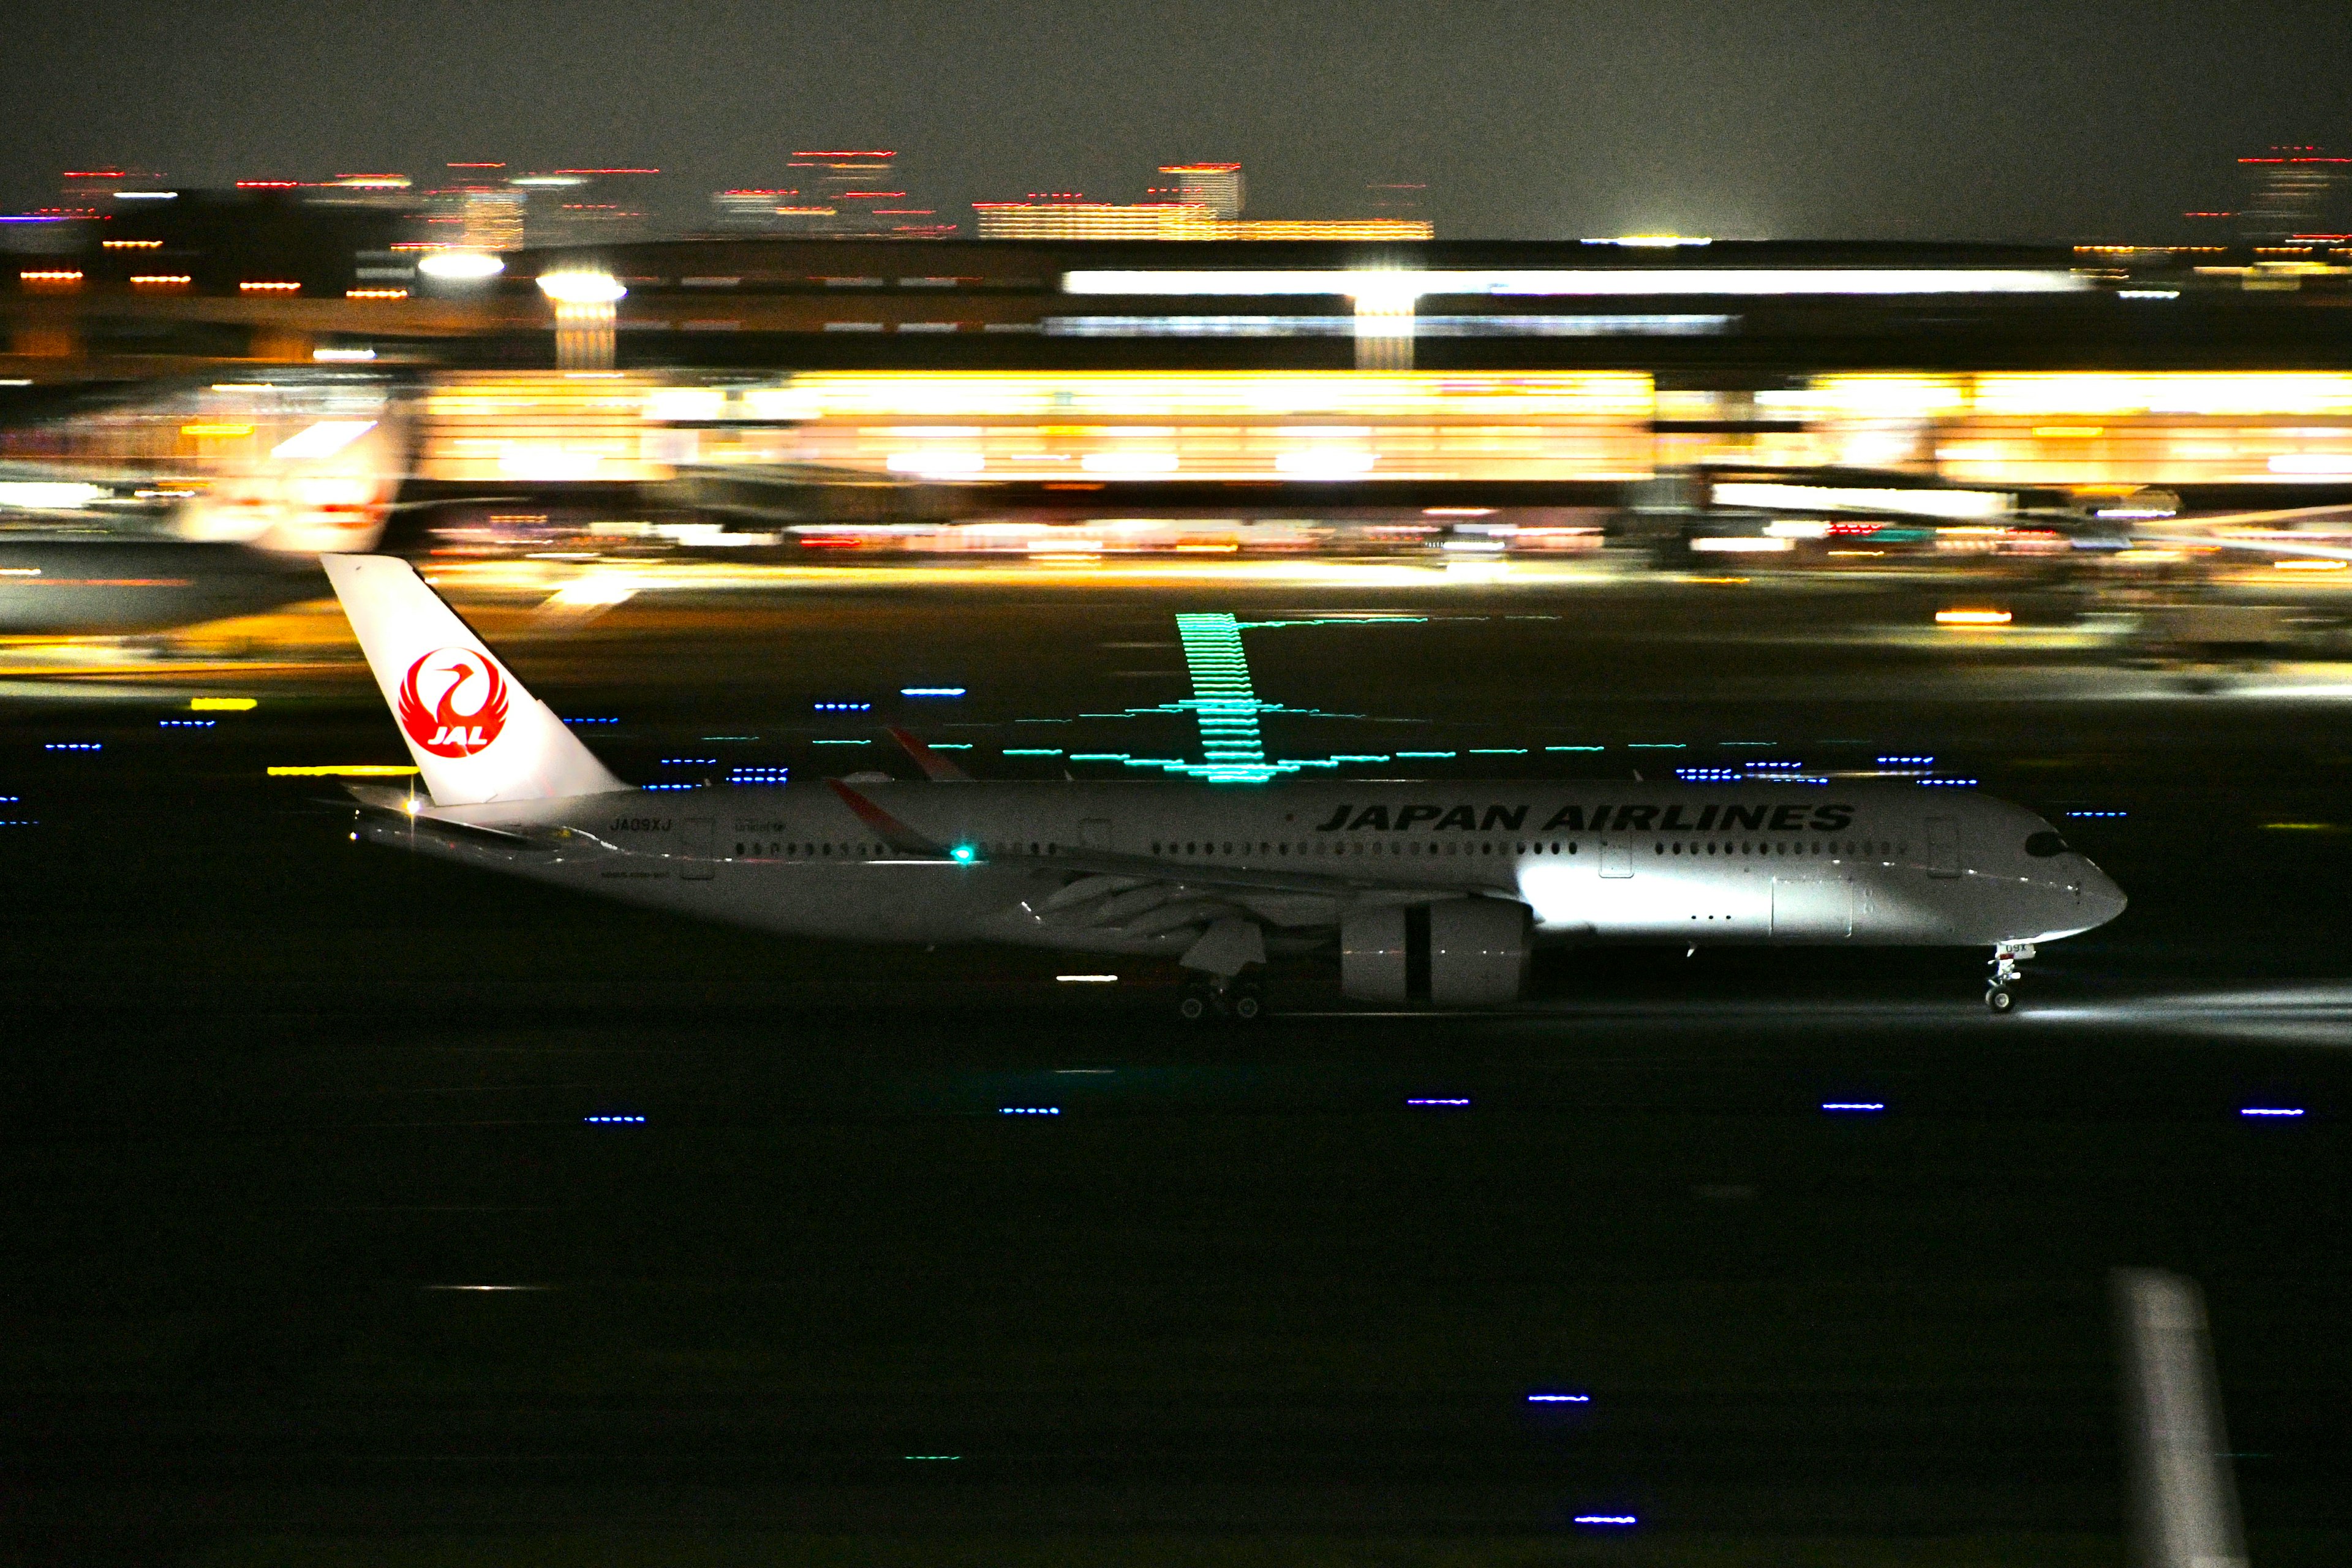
315, 1256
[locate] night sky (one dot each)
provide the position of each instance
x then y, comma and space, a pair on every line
1745, 118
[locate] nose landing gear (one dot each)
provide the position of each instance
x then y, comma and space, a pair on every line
2005, 957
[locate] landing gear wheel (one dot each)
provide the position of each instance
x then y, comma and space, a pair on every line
2006, 970
1248, 1004
1192, 1006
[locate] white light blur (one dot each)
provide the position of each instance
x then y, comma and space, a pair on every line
1740, 545
582, 288
1130, 464
532, 462
323, 439
1324, 463
41, 495
460, 265
342, 356
1719, 280
2311, 463
1921, 502
937, 464
146, 195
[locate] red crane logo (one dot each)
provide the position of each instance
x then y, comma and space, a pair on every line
446, 723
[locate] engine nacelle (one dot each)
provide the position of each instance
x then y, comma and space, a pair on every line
1461, 953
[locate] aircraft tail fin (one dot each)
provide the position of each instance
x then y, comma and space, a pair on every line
477, 735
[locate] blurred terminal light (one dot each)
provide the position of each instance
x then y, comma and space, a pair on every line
46, 495
1829, 498
2105, 393
1695, 280
460, 265
580, 287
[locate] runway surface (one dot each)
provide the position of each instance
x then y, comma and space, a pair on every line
333, 1238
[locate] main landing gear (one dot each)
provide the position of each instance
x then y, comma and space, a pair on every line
2005, 957
1210, 996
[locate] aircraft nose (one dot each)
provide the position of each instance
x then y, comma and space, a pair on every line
2102, 900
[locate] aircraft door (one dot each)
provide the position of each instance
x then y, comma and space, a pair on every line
1821, 908
694, 842
1094, 833
1943, 846
1616, 860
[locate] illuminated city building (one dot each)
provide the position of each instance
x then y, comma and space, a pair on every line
770, 211
1216, 187
850, 193
477, 210
2294, 190
1056, 216
92, 192
586, 207
1193, 201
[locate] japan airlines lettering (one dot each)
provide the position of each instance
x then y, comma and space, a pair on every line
1727, 817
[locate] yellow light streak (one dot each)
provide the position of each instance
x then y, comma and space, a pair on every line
344, 771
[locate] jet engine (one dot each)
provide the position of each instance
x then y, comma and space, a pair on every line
1461, 953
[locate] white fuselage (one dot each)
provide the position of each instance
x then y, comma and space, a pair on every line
1156, 863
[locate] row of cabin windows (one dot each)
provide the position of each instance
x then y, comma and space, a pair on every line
1751, 846
779, 851
1356, 846
776, 849
1849, 849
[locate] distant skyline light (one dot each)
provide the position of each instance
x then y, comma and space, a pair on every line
1986, 119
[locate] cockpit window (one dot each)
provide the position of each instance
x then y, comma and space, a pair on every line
2044, 845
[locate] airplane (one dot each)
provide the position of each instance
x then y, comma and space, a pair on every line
1429, 892
124, 542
